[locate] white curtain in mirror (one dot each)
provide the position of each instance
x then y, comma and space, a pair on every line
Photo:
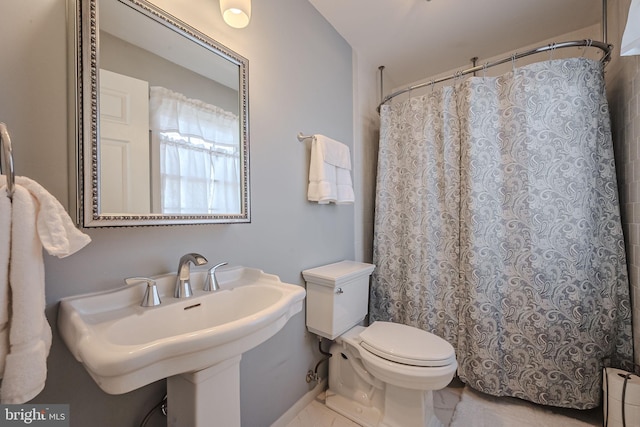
198, 149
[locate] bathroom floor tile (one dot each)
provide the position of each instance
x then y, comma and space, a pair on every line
445, 401
316, 414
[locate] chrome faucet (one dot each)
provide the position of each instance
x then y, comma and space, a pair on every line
183, 279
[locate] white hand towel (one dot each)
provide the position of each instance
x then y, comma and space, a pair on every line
37, 220
58, 235
329, 172
5, 253
29, 334
344, 187
334, 153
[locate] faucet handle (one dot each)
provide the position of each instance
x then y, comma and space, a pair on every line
211, 283
151, 297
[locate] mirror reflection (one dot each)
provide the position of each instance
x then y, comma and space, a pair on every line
170, 142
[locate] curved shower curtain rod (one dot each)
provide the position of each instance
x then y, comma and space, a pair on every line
606, 48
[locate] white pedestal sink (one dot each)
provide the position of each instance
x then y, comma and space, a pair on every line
198, 398
196, 343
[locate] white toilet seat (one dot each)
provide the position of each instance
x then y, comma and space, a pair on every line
406, 376
400, 374
407, 345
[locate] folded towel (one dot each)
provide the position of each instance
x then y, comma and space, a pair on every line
329, 172
37, 220
333, 152
344, 187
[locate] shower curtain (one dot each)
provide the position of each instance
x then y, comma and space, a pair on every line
497, 227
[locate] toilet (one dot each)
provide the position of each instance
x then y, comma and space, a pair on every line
380, 375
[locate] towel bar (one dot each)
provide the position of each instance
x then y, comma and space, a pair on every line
7, 166
303, 138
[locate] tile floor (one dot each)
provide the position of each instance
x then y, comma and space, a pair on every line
316, 414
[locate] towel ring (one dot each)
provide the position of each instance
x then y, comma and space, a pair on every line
7, 165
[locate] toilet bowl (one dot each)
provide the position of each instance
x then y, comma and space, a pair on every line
380, 375
381, 389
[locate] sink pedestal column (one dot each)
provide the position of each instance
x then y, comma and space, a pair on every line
210, 397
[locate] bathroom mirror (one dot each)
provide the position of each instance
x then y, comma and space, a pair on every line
161, 119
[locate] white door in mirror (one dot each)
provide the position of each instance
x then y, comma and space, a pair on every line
124, 144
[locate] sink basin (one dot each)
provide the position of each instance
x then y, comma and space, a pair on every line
124, 346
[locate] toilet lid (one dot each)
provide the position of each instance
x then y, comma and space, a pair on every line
407, 345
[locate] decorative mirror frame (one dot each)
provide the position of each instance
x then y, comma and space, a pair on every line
84, 124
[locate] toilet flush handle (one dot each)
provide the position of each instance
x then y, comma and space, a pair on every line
339, 291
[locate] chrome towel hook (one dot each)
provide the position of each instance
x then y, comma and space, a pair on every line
7, 156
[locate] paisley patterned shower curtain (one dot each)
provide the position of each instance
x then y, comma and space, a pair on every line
498, 228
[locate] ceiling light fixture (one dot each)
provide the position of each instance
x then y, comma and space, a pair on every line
236, 13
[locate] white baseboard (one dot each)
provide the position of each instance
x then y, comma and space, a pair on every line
302, 403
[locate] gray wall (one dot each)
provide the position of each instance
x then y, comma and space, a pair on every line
300, 80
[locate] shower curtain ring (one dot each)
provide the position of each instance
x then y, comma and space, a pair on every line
433, 83
587, 46
513, 62
484, 70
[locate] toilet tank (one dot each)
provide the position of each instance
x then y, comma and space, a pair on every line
337, 297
